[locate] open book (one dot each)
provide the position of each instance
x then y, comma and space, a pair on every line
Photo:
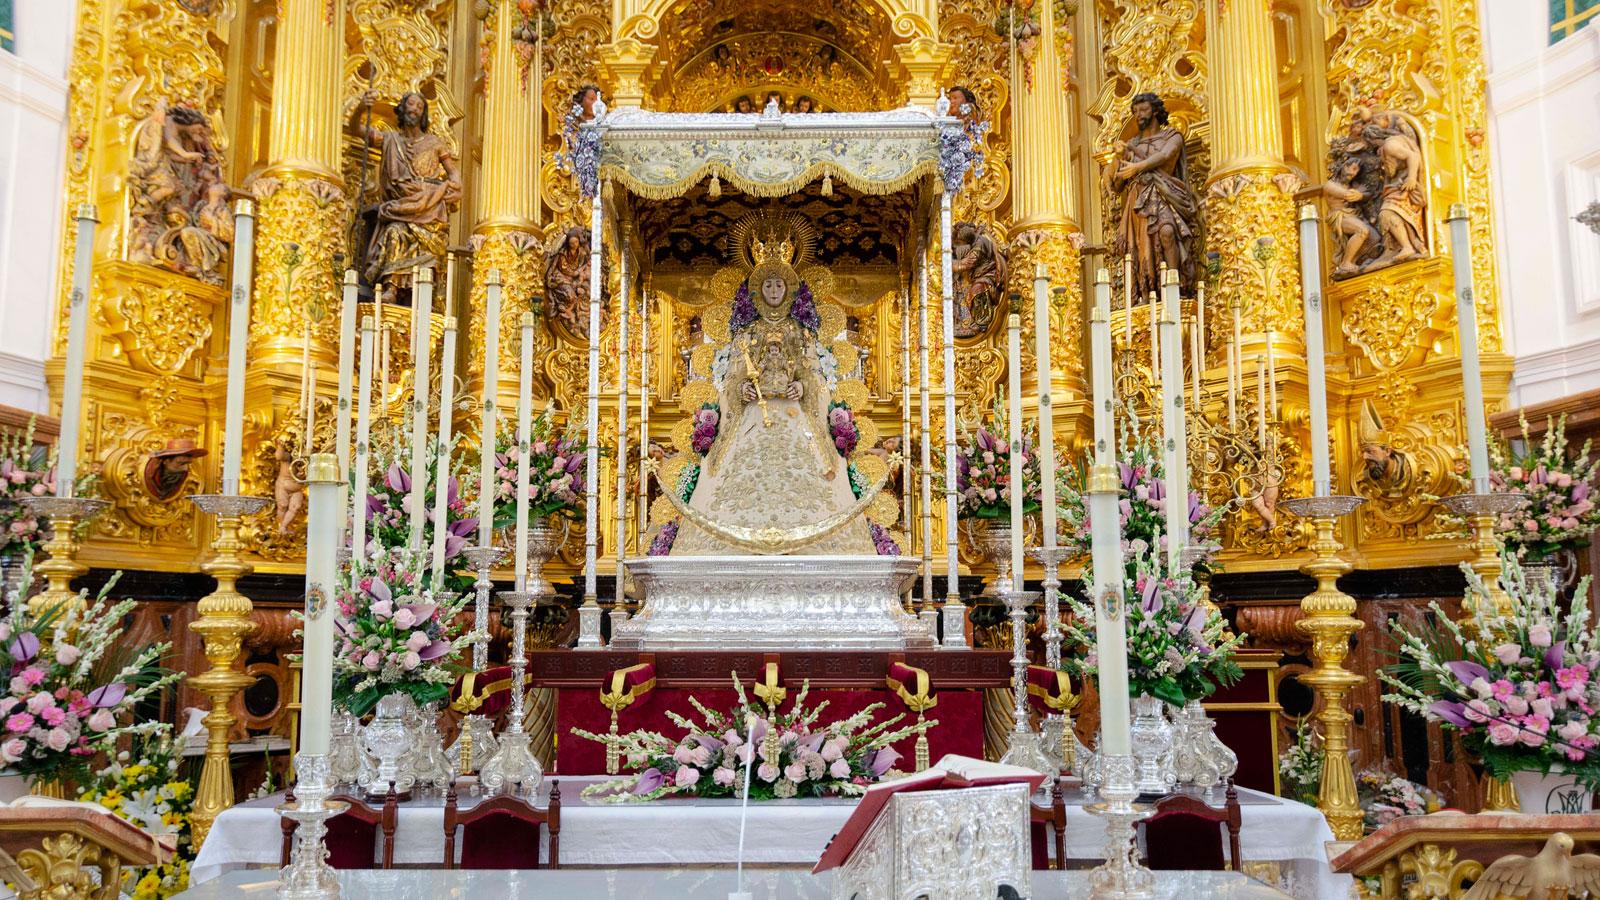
950, 772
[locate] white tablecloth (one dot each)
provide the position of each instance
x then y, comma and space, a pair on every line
692, 832
680, 884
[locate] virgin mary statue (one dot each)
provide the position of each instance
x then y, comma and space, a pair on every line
773, 468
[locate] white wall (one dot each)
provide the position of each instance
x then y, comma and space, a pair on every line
33, 113
1544, 115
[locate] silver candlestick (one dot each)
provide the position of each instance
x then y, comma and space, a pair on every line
482, 559
308, 875
1121, 875
514, 767
1025, 750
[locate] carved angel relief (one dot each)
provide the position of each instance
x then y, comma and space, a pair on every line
178, 215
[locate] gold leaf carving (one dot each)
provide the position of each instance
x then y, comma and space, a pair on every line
1388, 320
159, 324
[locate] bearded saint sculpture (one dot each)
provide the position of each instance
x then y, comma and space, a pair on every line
1160, 212
420, 187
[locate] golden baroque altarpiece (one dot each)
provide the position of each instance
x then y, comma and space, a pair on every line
1385, 85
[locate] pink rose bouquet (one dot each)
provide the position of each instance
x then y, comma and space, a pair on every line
1385, 796
556, 462
24, 472
69, 689
983, 472
789, 753
393, 635
389, 510
1561, 511
1520, 688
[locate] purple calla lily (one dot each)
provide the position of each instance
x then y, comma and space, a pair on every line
814, 742
375, 505
464, 527
107, 696
1468, 671
1554, 656
709, 742
380, 591
396, 479
882, 761
423, 611
23, 647
1449, 711
650, 780
1149, 602
434, 651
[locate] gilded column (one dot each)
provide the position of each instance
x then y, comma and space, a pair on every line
1250, 196
303, 209
507, 235
1042, 203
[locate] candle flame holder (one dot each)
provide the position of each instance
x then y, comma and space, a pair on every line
223, 623
1025, 749
308, 875
1121, 875
1330, 621
1482, 512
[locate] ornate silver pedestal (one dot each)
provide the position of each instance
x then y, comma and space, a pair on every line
308, 875
1121, 875
514, 767
388, 739
482, 559
1025, 749
771, 603
942, 845
1152, 745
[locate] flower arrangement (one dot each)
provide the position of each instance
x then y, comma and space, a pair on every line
70, 686
882, 540
983, 473
143, 786
394, 634
842, 428
23, 473
555, 473
389, 510
1561, 511
744, 309
1520, 688
1385, 796
1142, 500
707, 420
662, 543
1300, 764
804, 308
1178, 649
794, 755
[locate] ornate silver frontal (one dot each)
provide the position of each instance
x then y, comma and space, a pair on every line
772, 603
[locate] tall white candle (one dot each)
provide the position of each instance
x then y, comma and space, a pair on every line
244, 235
1316, 365
488, 429
1235, 368
361, 466
1155, 336
954, 632
645, 365
77, 345
383, 350
309, 395
1174, 432
524, 438
1014, 425
923, 422
347, 364
1200, 321
1047, 437
1111, 629
624, 309
1272, 373
1467, 328
441, 481
1196, 368
323, 513
421, 348
591, 421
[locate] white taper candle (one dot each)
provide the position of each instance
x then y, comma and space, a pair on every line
421, 348
1111, 630
441, 479
1047, 437
323, 514
347, 365
1174, 436
358, 503
244, 235
1014, 426
1467, 329
524, 438
1316, 359
77, 346
488, 428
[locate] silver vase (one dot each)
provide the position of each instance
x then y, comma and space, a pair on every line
993, 539
345, 756
479, 747
388, 738
429, 765
1152, 745
545, 540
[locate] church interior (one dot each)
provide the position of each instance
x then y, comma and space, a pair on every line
858, 448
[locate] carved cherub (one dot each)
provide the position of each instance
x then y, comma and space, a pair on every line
287, 491
1266, 503
1552, 875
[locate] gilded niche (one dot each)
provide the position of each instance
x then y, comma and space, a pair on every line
178, 216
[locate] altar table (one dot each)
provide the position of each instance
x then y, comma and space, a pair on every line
702, 833
675, 884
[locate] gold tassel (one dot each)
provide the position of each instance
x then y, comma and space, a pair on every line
922, 746
715, 190
827, 185
613, 752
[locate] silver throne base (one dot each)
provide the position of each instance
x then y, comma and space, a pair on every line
772, 603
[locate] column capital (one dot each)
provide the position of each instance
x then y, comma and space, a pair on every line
624, 69
926, 65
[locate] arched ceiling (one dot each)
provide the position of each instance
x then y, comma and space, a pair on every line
833, 50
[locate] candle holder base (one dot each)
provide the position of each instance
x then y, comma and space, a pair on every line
61, 566
1483, 512
308, 875
1121, 875
929, 617
513, 768
955, 625
589, 625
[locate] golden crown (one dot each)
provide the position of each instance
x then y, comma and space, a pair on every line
772, 251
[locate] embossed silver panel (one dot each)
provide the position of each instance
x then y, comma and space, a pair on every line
772, 603
942, 845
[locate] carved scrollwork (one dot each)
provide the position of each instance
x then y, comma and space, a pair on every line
67, 866
159, 323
